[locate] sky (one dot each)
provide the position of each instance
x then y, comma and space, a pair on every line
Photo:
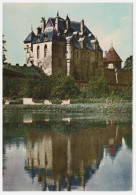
110, 22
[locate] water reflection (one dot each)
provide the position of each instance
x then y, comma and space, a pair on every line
65, 153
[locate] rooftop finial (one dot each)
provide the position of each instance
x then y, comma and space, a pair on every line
31, 27
57, 13
111, 44
67, 17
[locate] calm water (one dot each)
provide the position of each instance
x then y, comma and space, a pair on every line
51, 152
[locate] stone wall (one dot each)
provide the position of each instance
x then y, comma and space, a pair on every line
86, 64
44, 61
125, 77
59, 57
109, 75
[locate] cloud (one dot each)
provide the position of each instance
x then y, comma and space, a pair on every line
121, 38
106, 25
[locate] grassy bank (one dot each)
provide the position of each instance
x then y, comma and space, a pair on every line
28, 71
73, 108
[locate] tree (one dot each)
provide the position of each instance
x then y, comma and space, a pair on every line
63, 87
41, 88
98, 87
4, 49
129, 63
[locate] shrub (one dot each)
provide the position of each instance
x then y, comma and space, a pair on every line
63, 87
127, 94
39, 92
98, 88
38, 101
124, 94
56, 101
79, 101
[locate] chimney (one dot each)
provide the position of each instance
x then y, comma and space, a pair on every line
82, 26
67, 23
57, 22
39, 30
43, 23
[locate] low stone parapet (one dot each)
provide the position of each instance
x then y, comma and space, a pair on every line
29, 101
65, 102
47, 102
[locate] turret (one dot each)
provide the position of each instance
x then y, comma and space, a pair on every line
67, 23
57, 22
82, 26
43, 23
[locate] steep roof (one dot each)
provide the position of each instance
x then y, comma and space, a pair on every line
50, 33
30, 37
112, 56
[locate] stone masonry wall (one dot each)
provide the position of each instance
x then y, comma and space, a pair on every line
87, 64
44, 61
59, 57
125, 77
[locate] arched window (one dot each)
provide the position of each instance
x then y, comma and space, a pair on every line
45, 51
38, 51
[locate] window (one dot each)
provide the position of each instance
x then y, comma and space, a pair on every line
45, 51
38, 51
110, 66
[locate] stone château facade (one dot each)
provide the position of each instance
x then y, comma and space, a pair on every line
62, 45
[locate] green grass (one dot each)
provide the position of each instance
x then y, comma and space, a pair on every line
73, 108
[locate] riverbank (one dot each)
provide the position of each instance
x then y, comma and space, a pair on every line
72, 108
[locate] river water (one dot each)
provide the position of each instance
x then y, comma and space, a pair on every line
77, 152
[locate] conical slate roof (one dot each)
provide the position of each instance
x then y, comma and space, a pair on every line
112, 56
30, 37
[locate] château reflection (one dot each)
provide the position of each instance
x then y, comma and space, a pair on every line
60, 161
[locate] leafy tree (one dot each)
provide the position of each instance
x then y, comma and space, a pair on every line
4, 49
126, 94
41, 87
63, 87
129, 63
98, 87
119, 93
